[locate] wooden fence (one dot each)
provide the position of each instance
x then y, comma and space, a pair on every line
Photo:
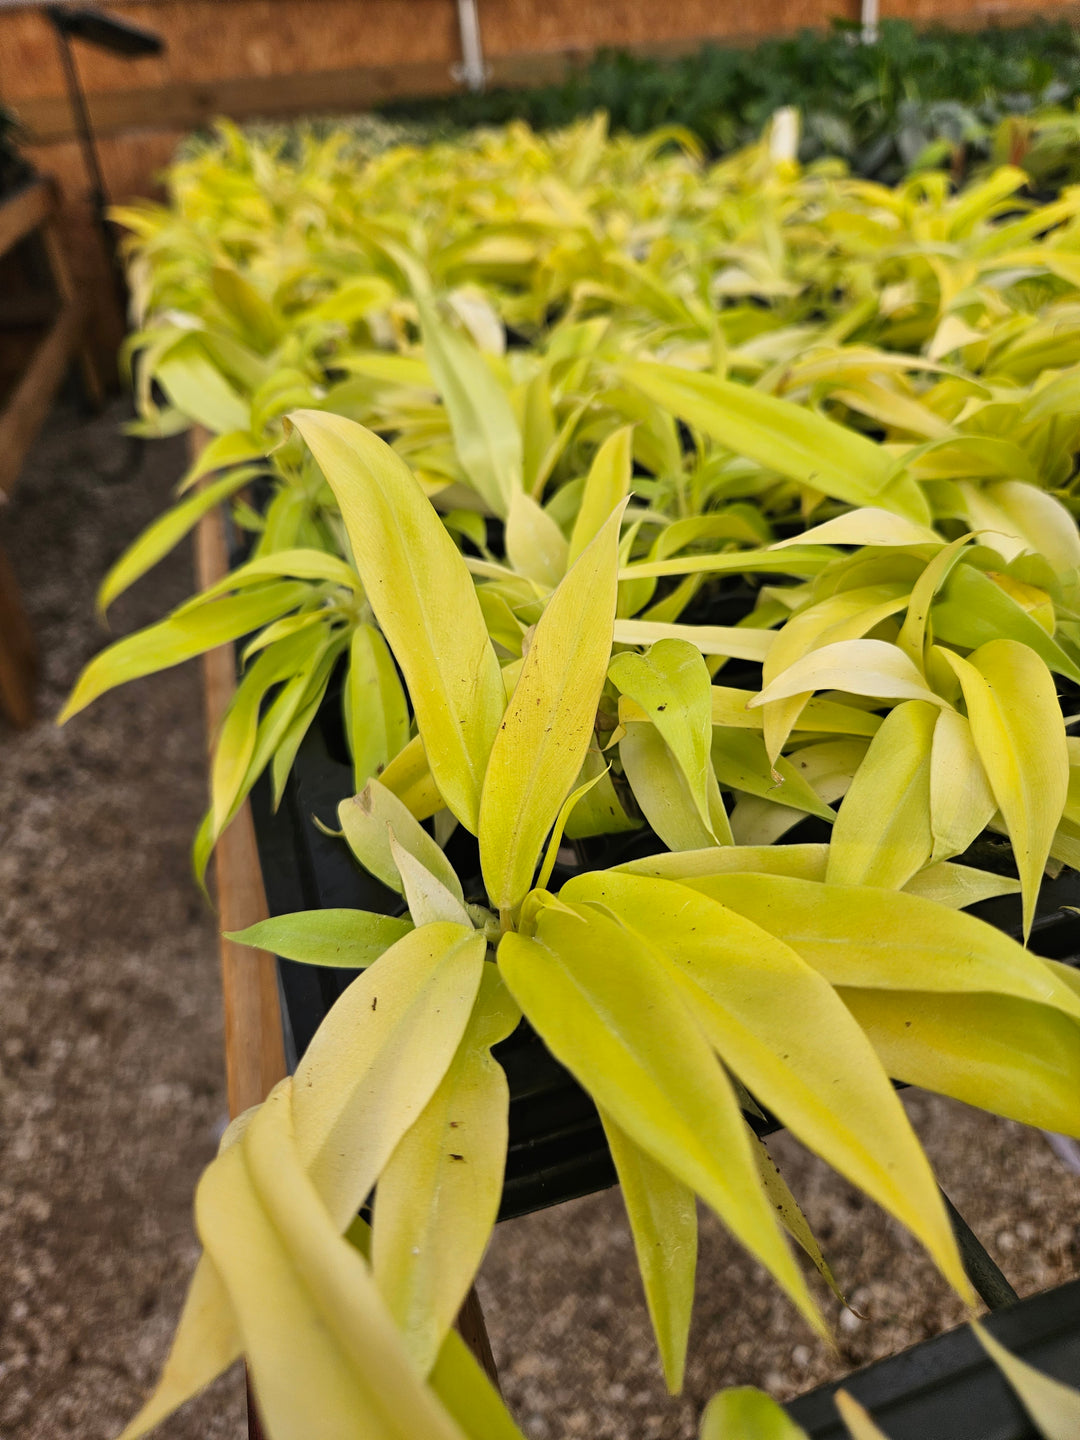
268, 58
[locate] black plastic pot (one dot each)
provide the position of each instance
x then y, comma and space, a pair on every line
948, 1388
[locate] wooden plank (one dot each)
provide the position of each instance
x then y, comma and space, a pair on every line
18, 653
24, 211
92, 377
186, 104
254, 1051
29, 404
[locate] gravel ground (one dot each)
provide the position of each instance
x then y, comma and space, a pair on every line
112, 1086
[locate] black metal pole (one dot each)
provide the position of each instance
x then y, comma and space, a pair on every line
99, 199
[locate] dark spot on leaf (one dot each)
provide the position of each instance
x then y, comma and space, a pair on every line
456, 1157
374, 1001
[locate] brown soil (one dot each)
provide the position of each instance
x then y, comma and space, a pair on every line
112, 1093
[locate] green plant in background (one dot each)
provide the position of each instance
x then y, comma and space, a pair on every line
655, 984
877, 106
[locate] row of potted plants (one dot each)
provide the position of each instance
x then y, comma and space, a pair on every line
642, 511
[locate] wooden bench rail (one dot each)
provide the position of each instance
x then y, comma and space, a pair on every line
33, 208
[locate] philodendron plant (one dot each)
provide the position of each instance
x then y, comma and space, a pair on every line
682, 990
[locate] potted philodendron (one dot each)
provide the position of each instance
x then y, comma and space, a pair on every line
713, 553
671, 987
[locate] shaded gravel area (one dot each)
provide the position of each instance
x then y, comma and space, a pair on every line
112, 1084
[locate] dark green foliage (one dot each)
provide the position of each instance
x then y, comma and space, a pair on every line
877, 106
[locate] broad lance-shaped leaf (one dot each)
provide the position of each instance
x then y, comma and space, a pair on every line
882, 833
744, 1413
663, 1221
237, 736
486, 435
604, 1004
376, 711
734, 641
606, 485
428, 899
956, 886
438, 1195
181, 637
849, 615
367, 822
741, 762
351, 939
311, 1319
543, 737
663, 793
166, 531
424, 599
961, 801
861, 667
790, 439
1053, 1407
1019, 733
972, 610
1009, 1056
671, 683
199, 390
869, 525
888, 940
806, 1060
379, 1056
535, 545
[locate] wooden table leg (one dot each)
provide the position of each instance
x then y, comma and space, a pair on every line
472, 1329
18, 653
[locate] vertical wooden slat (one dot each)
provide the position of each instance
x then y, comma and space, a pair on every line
18, 653
254, 1052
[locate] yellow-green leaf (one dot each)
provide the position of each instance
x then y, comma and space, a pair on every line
887, 939
882, 833
1019, 733
549, 721
603, 1003
671, 683
1009, 1056
961, 801
379, 1056
747, 1414
367, 821
606, 485
439, 1193
424, 599
375, 708
352, 939
807, 1060
1054, 1408
663, 1221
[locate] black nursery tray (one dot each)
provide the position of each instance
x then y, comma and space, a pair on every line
948, 1388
